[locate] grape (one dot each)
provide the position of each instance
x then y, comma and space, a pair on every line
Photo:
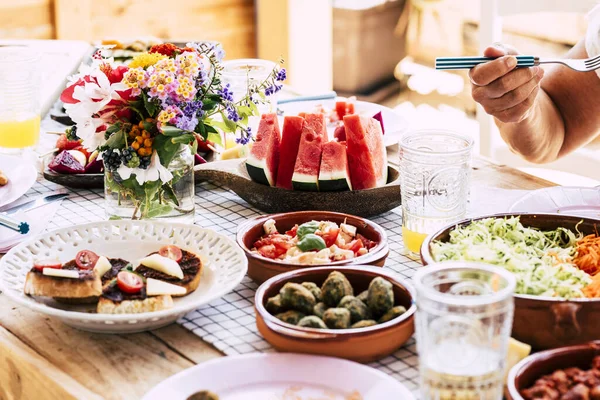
144, 162
112, 159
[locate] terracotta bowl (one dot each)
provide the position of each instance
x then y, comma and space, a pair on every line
524, 374
261, 268
544, 322
363, 344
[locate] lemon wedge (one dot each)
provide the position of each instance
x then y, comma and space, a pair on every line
516, 352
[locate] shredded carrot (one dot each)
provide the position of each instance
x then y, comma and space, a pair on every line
588, 254
593, 289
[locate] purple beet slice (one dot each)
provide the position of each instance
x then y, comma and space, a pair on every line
379, 117
198, 159
95, 167
65, 163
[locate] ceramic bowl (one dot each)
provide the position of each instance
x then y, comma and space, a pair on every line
524, 374
362, 344
261, 268
544, 322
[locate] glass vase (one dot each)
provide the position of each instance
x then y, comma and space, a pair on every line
128, 199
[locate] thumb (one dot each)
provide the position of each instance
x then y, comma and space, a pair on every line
499, 50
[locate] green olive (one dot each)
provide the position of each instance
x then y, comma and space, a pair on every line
311, 242
307, 228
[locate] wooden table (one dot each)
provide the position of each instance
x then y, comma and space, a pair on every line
41, 358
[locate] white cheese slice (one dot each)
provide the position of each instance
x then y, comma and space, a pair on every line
163, 264
102, 266
155, 287
348, 229
61, 273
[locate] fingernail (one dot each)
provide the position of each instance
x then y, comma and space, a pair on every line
511, 62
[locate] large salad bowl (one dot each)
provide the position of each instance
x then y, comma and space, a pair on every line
543, 322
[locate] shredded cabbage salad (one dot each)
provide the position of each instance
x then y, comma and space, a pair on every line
540, 260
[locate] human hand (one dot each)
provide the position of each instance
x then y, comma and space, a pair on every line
505, 92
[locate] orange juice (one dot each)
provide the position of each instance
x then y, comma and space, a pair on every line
19, 134
412, 240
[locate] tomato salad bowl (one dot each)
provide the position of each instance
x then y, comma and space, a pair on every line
261, 267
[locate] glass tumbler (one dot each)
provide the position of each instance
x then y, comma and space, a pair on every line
463, 324
19, 98
244, 72
435, 172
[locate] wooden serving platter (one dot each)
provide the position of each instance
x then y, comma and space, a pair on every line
365, 203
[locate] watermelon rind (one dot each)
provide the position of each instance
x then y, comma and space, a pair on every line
334, 181
258, 171
304, 182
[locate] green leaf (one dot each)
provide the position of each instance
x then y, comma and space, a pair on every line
183, 139
150, 105
169, 130
210, 129
311, 242
201, 129
114, 218
215, 138
253, 108
307, 228
155, 209
114, 128
116, 140
150, 127
165, 148
208, 105
170, 193
194, 147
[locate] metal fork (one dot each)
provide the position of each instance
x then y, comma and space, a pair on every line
580, 65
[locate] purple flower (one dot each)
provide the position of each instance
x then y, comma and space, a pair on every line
219, 52
232, 113
191, 108
245, 137
269, 91
187, 123
226, 93
281, 75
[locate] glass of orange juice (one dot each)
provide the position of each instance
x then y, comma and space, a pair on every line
19, 98
435, 171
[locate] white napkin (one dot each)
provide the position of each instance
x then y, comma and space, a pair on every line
489, 200
38, 219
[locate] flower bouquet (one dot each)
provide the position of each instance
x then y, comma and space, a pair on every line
146, 120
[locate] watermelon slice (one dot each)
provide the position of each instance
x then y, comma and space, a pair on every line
306, 169
367, 156
340, 133
263, 160
290, 140
334, 174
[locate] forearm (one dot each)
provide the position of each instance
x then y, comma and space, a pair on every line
540, 136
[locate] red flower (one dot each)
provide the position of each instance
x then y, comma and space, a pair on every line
166, 49
116, 75
67, 95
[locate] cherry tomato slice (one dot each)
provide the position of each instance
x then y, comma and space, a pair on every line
40, 265
355, 245
330, 236
129, 282
292, 232
86, 259
271, 251
172, 252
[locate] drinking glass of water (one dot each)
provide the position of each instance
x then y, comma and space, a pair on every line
463, 324
435, 172
19, 98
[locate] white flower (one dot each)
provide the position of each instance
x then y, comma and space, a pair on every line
154, 171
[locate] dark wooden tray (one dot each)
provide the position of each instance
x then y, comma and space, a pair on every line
233, 174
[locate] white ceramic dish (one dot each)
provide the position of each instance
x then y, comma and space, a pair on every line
281, 376
393, 123
224, 267
21, 177
568, 200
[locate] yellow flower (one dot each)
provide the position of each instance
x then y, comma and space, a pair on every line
145, 60
133, 77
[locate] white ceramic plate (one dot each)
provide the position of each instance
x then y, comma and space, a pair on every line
393, 123
578, 201
224, 267
281, 377
21, 177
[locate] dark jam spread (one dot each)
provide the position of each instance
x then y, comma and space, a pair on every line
112, 292
117, 265
189, 263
